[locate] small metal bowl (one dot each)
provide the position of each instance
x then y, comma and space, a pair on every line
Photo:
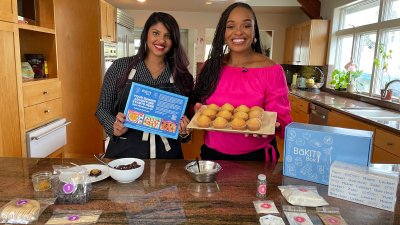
208, 171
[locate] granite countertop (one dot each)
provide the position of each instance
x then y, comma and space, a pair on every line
338, 103
165, 194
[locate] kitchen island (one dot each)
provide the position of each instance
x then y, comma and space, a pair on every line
166, 194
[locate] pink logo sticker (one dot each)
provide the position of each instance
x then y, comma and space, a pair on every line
73, 217
265, 205
303, 189
22, 202
68, 188
333, 220
262, 189
299, 219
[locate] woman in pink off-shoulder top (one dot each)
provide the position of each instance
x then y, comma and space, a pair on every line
241, 75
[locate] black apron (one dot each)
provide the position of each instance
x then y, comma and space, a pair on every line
130, 144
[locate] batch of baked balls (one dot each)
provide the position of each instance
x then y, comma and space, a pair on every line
227, 116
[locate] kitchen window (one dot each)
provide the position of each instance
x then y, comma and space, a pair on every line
368, 34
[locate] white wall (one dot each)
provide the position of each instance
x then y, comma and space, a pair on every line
200, 21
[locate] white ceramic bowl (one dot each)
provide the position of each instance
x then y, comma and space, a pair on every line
125, 176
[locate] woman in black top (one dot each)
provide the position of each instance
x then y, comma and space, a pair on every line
161, 63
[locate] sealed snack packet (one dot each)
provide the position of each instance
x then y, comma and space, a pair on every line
296, 215
67, 217
271, 220
330, 216
302, 195
23, 211
265, 206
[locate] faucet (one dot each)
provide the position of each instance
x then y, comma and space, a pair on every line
385, 93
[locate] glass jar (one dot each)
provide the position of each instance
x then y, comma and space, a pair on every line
41, 180
262, 186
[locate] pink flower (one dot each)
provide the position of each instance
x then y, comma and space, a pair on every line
350, 66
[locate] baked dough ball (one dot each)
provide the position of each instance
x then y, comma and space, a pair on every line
253, 124
238, 124
203, 121
220, 123
255, 114
256, 107
242, 108
225, 114
241, 115
228, 107
209, 112
213, 107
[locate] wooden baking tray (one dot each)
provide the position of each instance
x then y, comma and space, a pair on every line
267, 125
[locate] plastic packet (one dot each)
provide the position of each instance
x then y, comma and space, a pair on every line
23, 210
271, 220
302, 195
296, 215
71, 185
330, 216
265, 206
74, 217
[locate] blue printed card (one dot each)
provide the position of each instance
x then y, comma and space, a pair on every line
155, 111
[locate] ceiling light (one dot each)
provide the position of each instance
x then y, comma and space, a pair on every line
208, 3
141, 0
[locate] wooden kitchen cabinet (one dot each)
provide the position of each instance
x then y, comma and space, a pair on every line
300, 109
108, 14
336, 119
386, 147
8, 10
11, 129
309, 43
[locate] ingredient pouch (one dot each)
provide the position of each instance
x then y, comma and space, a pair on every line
302, 195
23, 211
67, 217
296, 215
71, 185
330, 216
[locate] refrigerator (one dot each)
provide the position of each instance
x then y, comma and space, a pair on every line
125, 38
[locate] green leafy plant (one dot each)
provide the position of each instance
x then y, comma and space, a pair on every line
383, 64
340, 79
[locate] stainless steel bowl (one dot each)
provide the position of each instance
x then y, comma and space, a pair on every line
208, 171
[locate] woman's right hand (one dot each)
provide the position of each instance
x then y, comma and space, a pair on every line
119, 128
197, 106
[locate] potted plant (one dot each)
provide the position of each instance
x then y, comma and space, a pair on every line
343, 79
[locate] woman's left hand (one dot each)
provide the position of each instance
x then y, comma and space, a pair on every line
277, 128
183, 130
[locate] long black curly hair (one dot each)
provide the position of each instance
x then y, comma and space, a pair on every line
176, 56
208, 78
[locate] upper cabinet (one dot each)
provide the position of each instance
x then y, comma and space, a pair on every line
8, 10
307, 43
108, 13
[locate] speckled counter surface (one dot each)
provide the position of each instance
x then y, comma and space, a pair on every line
337, 103
165, 194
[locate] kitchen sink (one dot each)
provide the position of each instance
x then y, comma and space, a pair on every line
375, 114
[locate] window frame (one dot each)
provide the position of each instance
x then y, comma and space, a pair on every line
383, 25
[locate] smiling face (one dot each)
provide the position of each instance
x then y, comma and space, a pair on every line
239, 33
158, 40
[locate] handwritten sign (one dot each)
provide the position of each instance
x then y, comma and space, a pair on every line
363, 185
155, 111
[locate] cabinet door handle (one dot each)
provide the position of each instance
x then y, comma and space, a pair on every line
390, 144
46, 110
45, 92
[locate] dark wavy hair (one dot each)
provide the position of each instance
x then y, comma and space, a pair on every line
176, 56
209, 75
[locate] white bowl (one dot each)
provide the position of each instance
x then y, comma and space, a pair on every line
125, 176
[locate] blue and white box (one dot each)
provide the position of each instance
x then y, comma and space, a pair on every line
311, 149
